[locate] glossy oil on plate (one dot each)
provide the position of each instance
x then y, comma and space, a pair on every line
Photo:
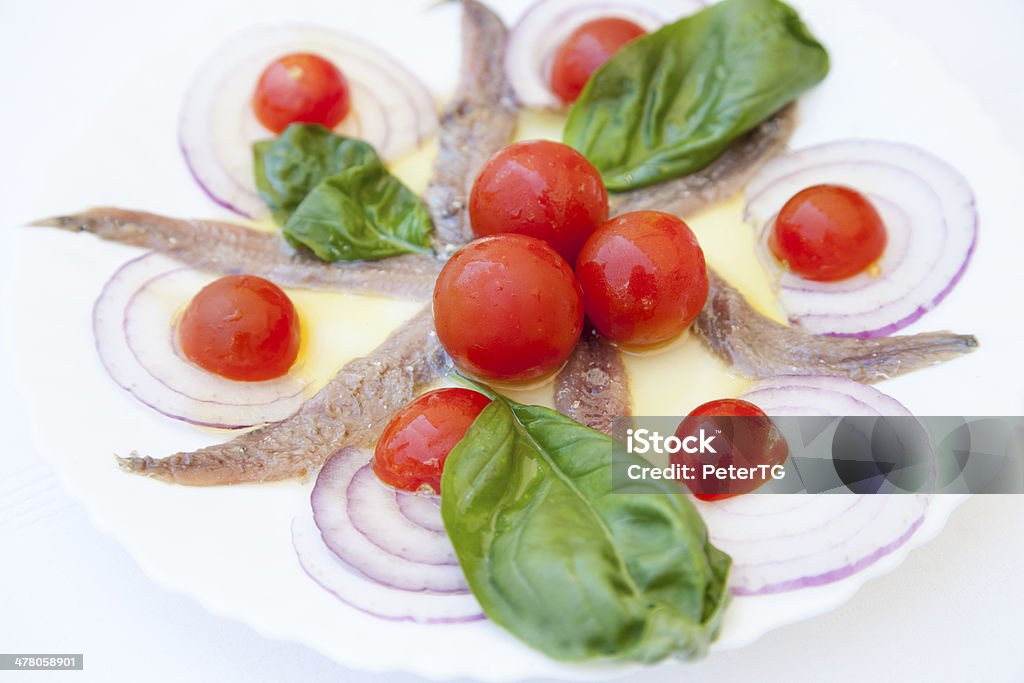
230, 548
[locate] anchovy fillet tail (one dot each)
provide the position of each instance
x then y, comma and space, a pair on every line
479, 121
757, 346
229, 248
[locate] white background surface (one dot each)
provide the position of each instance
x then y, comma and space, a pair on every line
951, 613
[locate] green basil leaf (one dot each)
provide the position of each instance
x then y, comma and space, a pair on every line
670, 102
363, 212
288, 167
562, 562
336, 198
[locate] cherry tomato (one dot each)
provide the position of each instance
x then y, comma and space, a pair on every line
644, 278
508, 308
543, 189
411, 452
585, 50
744, 437
301, 88
241, 327
827, 232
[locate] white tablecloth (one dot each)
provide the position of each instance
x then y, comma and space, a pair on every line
951, 613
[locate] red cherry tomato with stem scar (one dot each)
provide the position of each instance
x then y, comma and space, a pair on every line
301, 88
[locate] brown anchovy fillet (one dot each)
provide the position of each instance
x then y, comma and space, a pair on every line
757, 346
351, 410
593, 387
228, 248
479, 121
721, 179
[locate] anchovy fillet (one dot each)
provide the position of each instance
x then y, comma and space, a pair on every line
480, 120
228, 248
757, 346
351, 409
593, 387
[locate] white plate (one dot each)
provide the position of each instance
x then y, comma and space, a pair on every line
229, 548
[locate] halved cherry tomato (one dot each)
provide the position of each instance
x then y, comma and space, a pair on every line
543, 189
241, 327
508, 308
411, 452
644, 278
301, 88
743, 436
827, 232
585, 50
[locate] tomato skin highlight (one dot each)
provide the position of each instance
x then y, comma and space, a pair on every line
412, 450
751, 440
644, 278
585, 50
508, 308
827, 233
301, 88
241, 327
542, 189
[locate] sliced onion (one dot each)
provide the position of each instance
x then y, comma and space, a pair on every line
133, 325
784, 542
543, 28
374, 512
424, 511
931, 221
391, 108
382, 549
371, 597
817, 395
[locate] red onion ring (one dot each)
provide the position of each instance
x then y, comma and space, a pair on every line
374, 550
133, 325
374, 512
787, 542
929, 212
422, 510
540, 31
391, 108
373, 598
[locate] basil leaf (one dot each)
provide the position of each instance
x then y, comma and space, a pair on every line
562, 562
669, 103
336, 198
288, 167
